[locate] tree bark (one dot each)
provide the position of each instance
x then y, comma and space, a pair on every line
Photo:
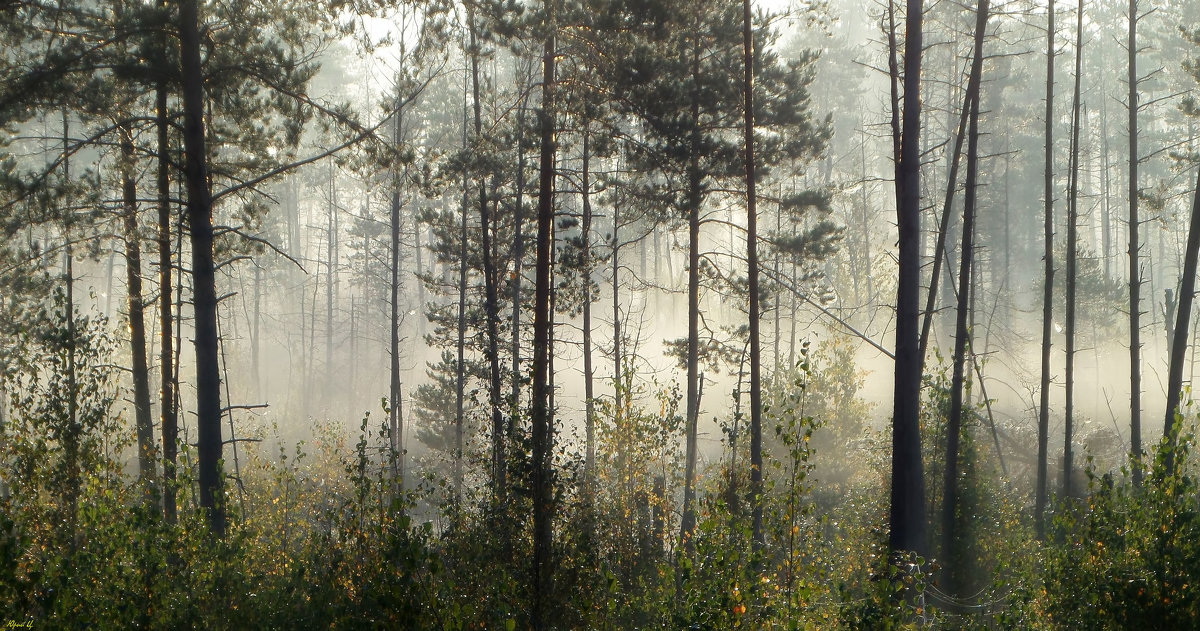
167, 412
962, 333
139, 367
1135, 273
1072, 255
204, 284
1179, 346
907, 512
756, 463
589, 392
1042, 485
542, 426
490, 305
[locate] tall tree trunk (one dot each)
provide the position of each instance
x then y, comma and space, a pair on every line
1135, 272
490, 304
756, 463
907, 512
1179, 345
688, 519
542, 434
139, 368
395, 420
962, 333
1042, 494
461, 364
331, 264
518, 256
204, 283
167, 409
1072, 255
589, 392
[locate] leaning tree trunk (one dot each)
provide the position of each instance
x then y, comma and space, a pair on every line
204, 283
907, 512
950, 538
1187, 291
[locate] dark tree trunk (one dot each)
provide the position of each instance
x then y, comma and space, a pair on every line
1179, 346
461, 365
395, 418
1135, 273
1042, 491
589, 392
1072, 255
491, 302
170, 427
907, 512
962, 333
204, 287
756, 463
688, 519
139, 368
542, 430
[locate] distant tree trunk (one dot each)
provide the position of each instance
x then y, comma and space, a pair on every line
461, 364
139, 367
169, 419
542, 434
589, 392
907, 513
950, 534
756, 463
1072, 255
688, 519
331, 262
1135, 273
518, 257
255, 328
204, 286
1042, 496
395, 420
619, 389
1179, 346
490, 304
941, 250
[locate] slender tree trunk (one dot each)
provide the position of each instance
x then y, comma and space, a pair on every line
1135, 272
395, 419
1042, 495
1072, 255
589, 392
950, 535
170, 427
756, 463
907, 513
139, 368
518, 256
490, 305
1179, 346
543, 431
331, 263
204, 286
461, 365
